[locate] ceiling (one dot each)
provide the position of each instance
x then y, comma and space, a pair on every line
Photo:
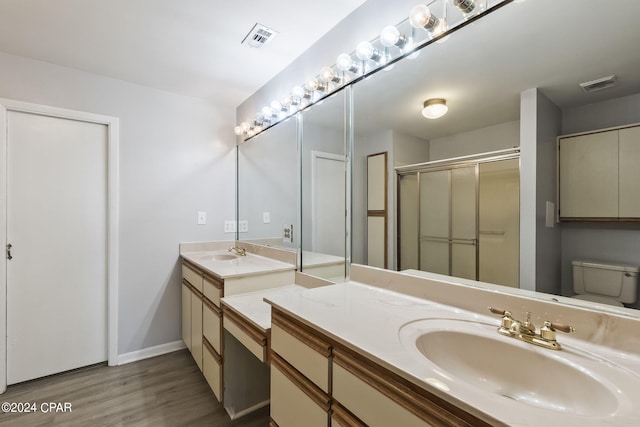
189, 47
482, 69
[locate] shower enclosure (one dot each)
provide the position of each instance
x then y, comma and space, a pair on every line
460, 217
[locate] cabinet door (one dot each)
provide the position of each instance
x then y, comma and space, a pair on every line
629, 172
589, 176
186, 315
196, 328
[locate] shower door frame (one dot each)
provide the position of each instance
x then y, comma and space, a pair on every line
441, 165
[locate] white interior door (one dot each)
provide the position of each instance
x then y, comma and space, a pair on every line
57, 225
328, 203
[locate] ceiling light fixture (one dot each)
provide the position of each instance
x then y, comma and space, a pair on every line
435, 108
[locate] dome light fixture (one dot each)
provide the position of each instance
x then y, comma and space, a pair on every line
435, 108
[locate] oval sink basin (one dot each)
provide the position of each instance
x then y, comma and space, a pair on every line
219, 257
477, 355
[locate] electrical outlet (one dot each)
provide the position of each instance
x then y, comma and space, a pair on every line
229, 226
287, 233
202, 218
266, 217
243, 226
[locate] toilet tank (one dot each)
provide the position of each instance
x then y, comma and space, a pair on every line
615, 281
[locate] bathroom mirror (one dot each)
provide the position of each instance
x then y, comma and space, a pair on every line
324, 169
481, 71
268, 187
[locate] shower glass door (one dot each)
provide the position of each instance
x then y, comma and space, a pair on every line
448, 224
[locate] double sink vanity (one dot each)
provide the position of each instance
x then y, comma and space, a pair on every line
400, 348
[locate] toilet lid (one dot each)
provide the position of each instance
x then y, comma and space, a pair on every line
601, 300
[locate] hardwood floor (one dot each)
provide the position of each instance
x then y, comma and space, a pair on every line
167, 390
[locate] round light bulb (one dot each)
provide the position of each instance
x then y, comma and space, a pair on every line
286, 102
344, 62
365, 50
390, 36
327, 74
238, 130
276, 106
251, 132
244, 126
312, 84
267, 111
421, 17
297, 91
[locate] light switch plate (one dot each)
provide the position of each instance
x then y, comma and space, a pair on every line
202, 218
243, 226
266, 217
550, 214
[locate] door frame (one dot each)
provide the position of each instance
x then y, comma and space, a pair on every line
112, 124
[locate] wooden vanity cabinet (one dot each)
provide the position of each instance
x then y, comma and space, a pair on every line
317, 381
300, 374
202, 323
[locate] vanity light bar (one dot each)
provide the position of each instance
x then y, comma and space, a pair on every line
370, 56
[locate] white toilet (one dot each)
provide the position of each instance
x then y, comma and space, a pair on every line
612, 284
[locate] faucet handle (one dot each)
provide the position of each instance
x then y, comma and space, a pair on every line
560, 327
507, 320
499, 311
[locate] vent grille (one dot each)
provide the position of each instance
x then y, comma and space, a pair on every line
259, 36
598, 84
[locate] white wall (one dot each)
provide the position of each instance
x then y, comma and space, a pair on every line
609, 242
549, 119
491, 138
176, 158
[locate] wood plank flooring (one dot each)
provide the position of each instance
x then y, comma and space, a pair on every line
167, 390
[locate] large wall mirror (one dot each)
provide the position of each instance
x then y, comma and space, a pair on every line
324, 189
482, 148
268, 188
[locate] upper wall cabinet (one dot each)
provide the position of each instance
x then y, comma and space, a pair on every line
598, 176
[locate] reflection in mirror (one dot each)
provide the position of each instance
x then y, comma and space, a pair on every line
521, 90
268, 187
324, 168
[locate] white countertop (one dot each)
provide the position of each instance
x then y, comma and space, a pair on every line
369, 320
252, 307
247, 265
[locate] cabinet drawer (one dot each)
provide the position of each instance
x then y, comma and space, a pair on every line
254, 339
379, 397
212, 289
304, 350
364, 401
211, 324
295, 401
212, 369
340, 417
192, 276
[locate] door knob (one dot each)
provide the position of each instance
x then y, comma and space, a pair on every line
9, 257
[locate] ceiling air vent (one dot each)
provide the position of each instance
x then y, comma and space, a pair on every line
598, 84
259, 36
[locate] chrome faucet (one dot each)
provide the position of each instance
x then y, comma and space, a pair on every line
526, 331
239, 251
